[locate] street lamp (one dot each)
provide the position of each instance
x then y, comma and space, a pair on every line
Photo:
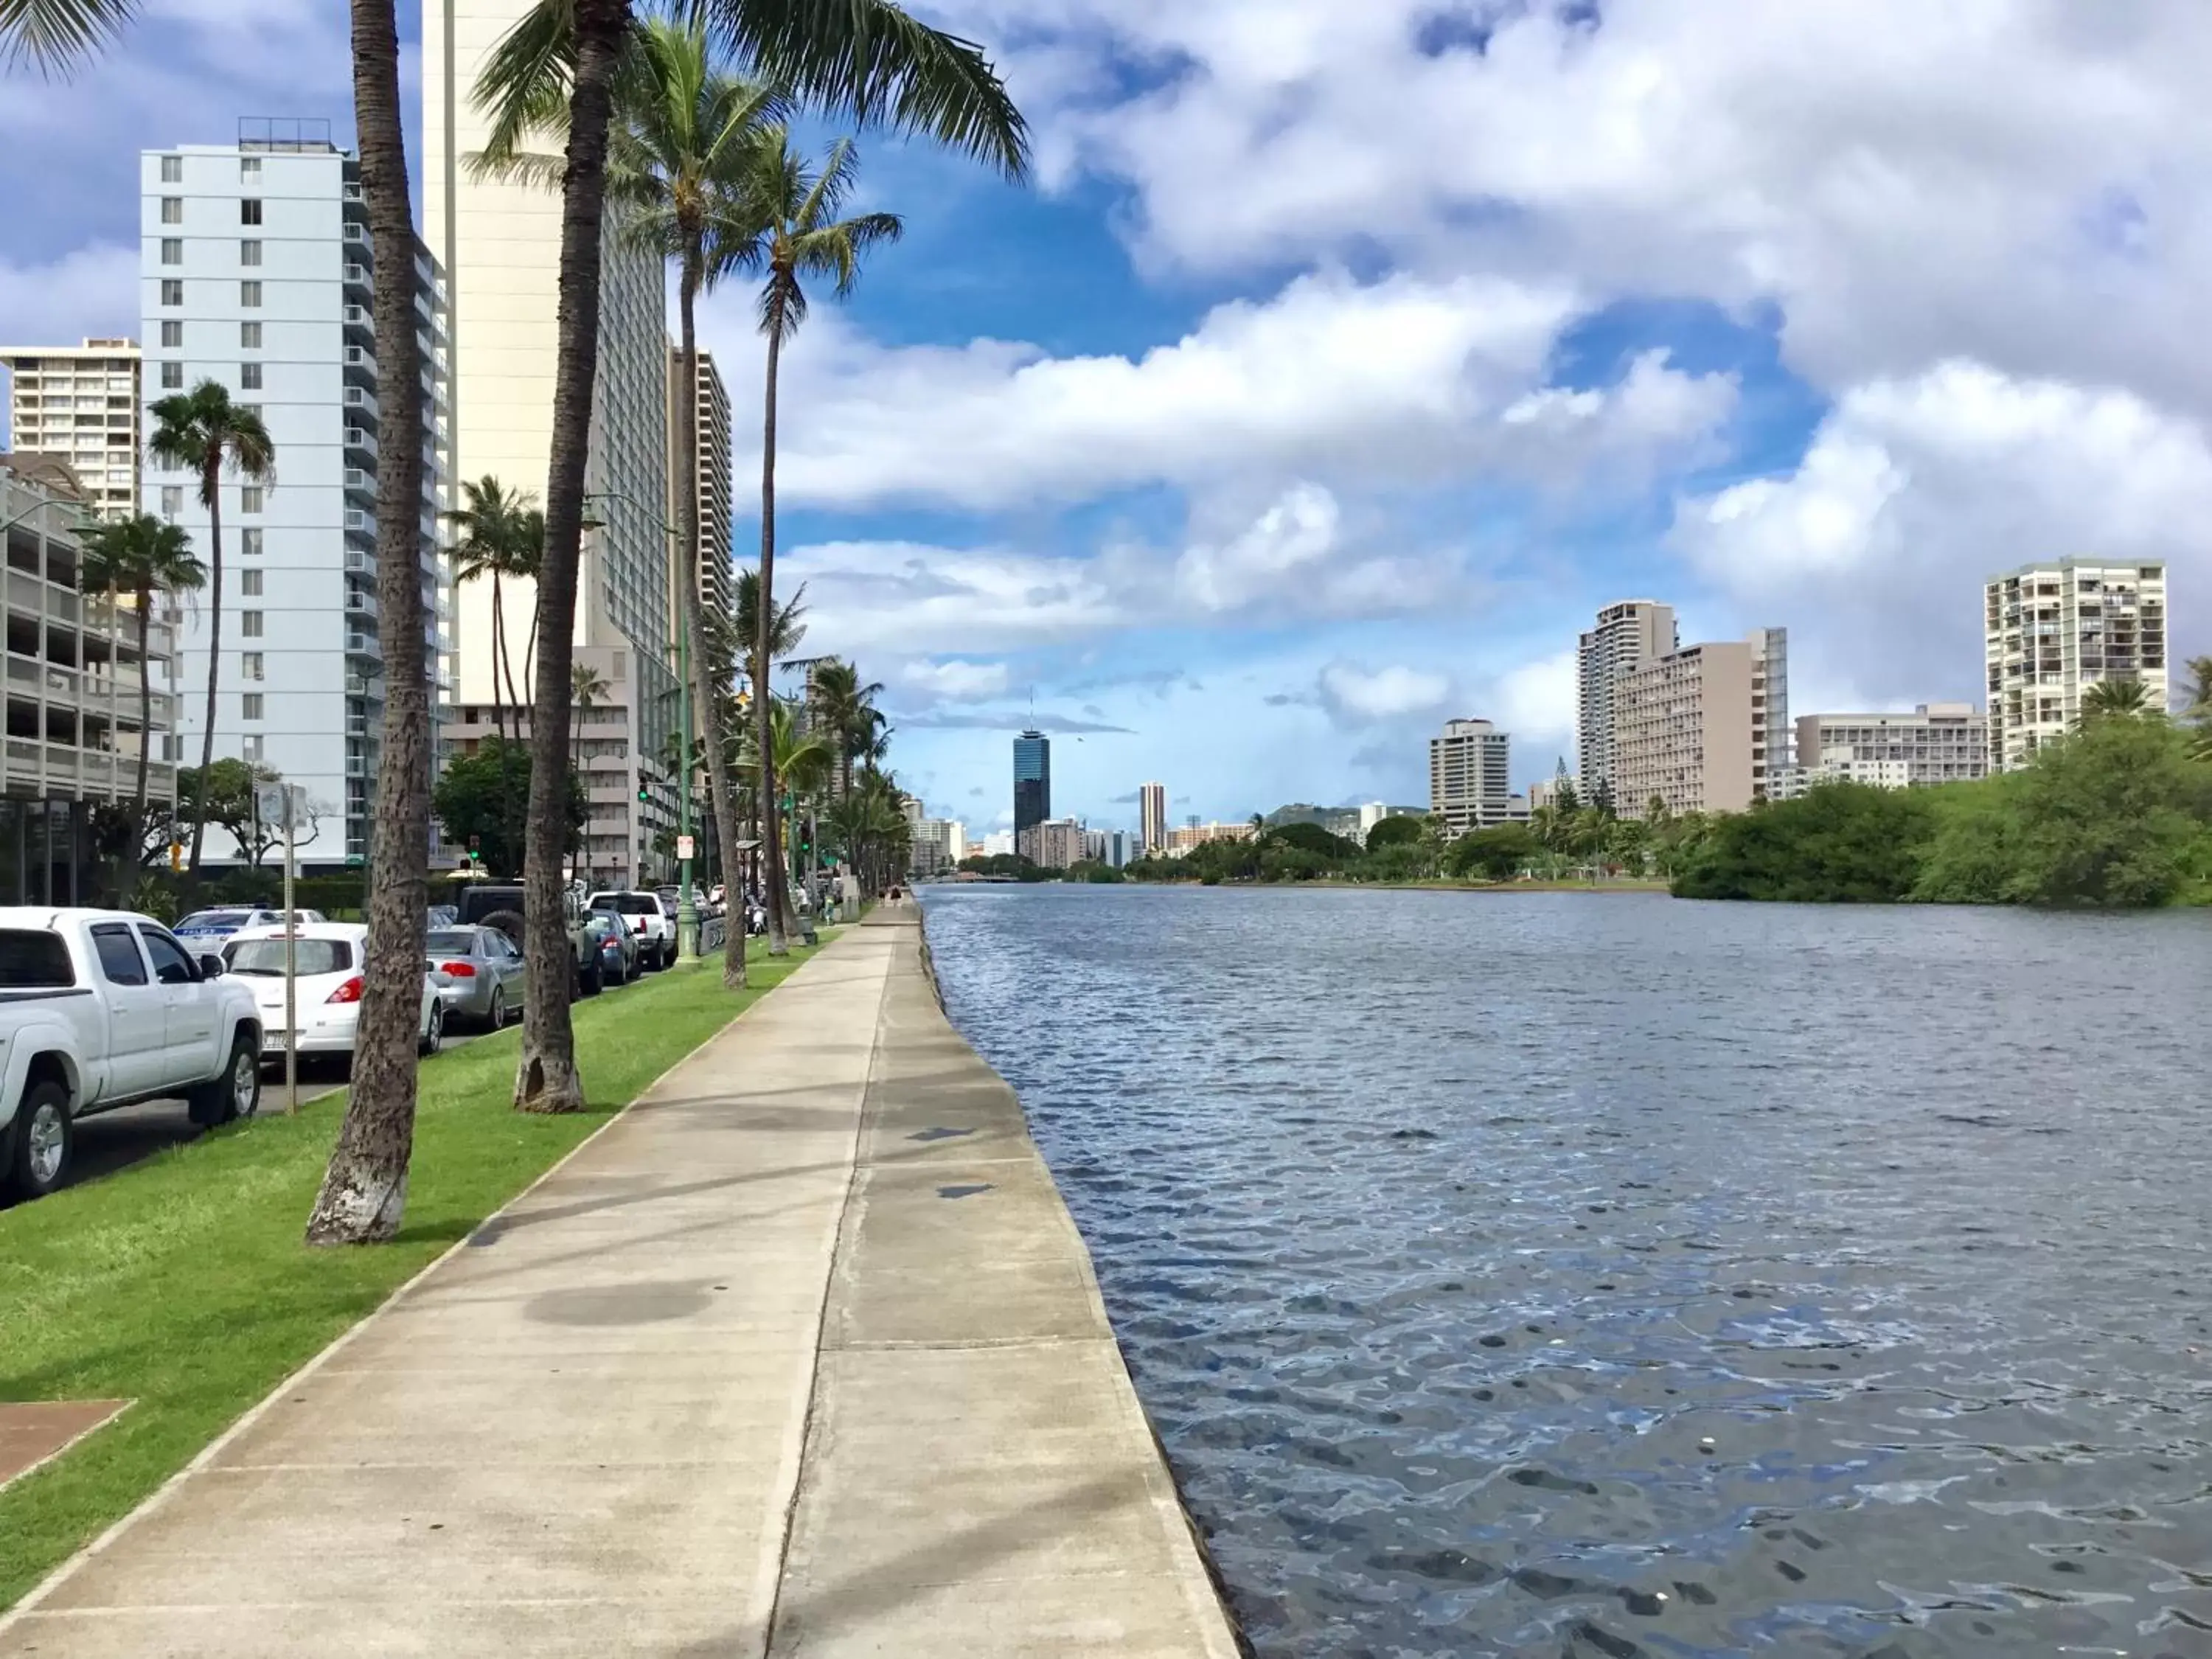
687, 910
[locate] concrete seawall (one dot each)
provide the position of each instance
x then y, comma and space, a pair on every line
801, 1356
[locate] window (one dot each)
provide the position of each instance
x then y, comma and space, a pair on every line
172, 169
249, 665
249, 210
249, 583
173, 335
253, 701
171, 965
249, 624
249, 542
249, 295
172, 209
252, 746
249, 377
31, 958
249, 166
173, 250
173, 291
173, 500
249, 252
249, 498
119, 960
172, 376
249, 337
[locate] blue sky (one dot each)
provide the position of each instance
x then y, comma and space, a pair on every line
1342, 360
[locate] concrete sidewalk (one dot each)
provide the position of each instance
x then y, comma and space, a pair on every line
801, 1356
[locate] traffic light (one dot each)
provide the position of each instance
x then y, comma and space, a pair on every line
475, 849
644, 791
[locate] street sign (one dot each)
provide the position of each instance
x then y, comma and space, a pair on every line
686, 848
269, 803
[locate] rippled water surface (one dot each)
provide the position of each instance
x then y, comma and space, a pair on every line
1603, 1275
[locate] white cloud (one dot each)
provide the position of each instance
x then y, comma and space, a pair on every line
1536, 703
1294, 535
953, 681
1360, 696
1915, 490
1402, 379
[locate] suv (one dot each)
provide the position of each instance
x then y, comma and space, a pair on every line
486, 904
650, 918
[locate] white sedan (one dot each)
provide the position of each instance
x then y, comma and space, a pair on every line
327, 959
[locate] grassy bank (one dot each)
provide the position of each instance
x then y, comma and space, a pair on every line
181, 1283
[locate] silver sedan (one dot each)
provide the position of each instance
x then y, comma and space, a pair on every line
487, 972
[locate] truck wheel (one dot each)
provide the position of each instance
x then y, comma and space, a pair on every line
43, 1139
508, 922
235, 1092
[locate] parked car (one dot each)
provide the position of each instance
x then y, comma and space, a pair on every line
327, 959
617, 946
207, 930
500, 905
444, 915
487, 969
653, 923
102, 1008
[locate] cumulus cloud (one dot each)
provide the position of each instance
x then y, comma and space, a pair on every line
1358, 696
1402, 379
1915, 490
953, 681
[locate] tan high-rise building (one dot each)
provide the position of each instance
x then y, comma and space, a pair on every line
1470, 776
1628, 635
1152, 815
1704, 729
80, 404
2053, 629
709, 464
1936, 743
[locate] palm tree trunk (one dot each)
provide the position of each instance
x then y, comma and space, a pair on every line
145, 712
211, 484
364, 1191
498, 655
546, 1078
774, 876
702, 689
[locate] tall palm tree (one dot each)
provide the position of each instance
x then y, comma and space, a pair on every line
2115, 699
202, 431
589, 689
556, 69
803, 239
848, 709
364, 1191
141, 557
498, 534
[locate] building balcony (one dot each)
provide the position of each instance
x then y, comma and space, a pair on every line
361, 440
359, 522
356, 276
363, 645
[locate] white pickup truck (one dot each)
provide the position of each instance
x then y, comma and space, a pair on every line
99, 1008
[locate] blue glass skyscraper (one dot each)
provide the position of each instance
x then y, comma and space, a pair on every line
1032, 782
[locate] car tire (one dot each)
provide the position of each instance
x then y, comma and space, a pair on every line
42, 1140
596, 980
435, 1038
497, 1017
235, 1092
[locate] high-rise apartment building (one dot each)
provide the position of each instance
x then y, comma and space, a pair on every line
709, 464
1032, 782
1704, 729
1470, 776
1152, 815
1053, 844
1936, 743
1628, 635
2052, 630
80, 404
499, 242
257, 272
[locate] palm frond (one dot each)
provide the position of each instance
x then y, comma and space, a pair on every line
523, 85
59, 35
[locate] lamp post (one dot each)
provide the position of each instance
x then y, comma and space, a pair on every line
687, 910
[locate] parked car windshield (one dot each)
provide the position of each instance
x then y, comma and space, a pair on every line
32, 959
460, 941
216, 919
266, 956
630, 904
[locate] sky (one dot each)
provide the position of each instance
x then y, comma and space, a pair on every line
1341, 359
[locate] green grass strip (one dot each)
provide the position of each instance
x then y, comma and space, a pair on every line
181, 1283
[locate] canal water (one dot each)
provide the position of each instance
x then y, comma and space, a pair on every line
1603, 1275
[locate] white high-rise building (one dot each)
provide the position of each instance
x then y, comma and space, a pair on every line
709, 464
1470, 777
1152, 815
257, 272
2052, 630
80, 404
1628, 635
500, 243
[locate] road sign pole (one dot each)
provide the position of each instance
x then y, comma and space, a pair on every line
291, 968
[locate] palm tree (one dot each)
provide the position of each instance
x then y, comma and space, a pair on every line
59, 35
555, 70
141, 557
498, 534
202, 431
849, 709
2114, 699
364, 1191
803, 239
589, 689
